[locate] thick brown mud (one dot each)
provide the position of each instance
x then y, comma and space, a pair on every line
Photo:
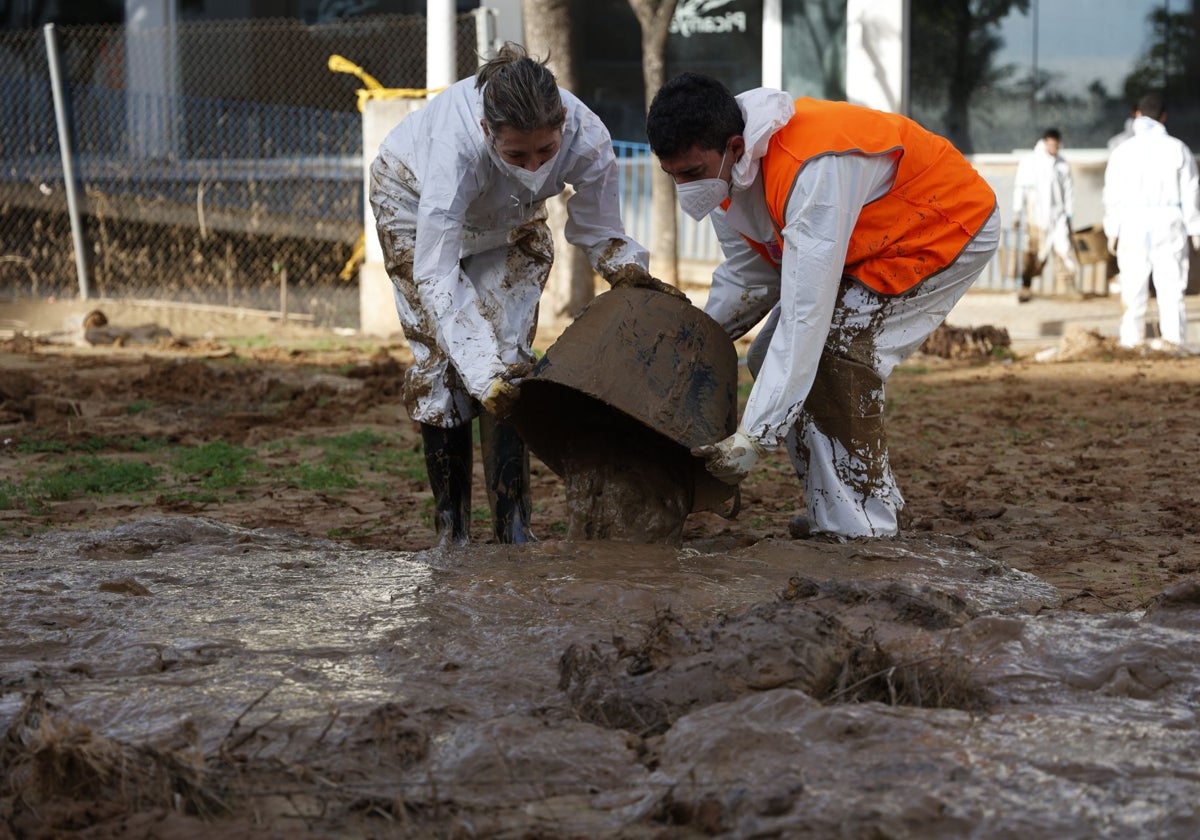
274, 660
181, 672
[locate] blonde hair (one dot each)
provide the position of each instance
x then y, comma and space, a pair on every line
518, 91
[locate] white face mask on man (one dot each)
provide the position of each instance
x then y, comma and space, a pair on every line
701, 197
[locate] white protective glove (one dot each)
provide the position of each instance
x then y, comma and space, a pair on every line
730, 459
1195, 237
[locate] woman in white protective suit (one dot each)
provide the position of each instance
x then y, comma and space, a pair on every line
1151, 208
458, 191
1044, 196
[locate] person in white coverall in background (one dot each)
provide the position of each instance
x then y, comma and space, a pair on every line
458, 191
1151, 209
1044, 197
853, 232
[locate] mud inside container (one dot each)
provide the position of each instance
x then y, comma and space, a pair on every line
622, 479
616, 405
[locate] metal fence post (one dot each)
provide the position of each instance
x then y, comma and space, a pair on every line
68, 160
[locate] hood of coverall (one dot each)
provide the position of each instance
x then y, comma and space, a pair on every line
765, 110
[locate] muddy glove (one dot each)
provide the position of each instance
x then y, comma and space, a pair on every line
534, 240
501, 396
731, 459
633, 276
505, 389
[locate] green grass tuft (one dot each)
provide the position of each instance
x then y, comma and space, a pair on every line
214, 465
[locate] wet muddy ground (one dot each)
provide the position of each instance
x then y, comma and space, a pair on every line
262, 644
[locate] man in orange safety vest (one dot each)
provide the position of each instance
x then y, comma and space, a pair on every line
850, 234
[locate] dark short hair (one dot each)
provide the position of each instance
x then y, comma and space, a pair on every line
1052, 134
1152, 105
692, 110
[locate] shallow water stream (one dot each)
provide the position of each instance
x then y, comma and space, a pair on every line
889, 688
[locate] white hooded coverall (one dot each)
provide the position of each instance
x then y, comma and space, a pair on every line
1044, 195
814, 315
467, 246
1151, 207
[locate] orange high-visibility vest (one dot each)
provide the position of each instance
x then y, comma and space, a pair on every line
936, 205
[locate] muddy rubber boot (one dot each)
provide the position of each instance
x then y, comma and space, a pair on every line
448, 463
506, 470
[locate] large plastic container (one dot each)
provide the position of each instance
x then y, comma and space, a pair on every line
638, 374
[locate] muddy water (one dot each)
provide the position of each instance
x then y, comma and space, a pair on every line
643, 499
906, 688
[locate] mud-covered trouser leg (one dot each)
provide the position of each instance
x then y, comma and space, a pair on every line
1067, 268
1033, 260
839, 445
448, 463
506, 473
502, 271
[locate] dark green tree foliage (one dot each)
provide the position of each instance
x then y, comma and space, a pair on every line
1171, 65
955, 57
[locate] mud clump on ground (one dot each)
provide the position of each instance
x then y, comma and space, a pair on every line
1080, 344
800, 642
966, 342
53, 764
646, 687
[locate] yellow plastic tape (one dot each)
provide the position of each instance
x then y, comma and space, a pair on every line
341, 64
373, 88
394, 93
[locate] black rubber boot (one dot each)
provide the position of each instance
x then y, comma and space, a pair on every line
448, 463
506, 470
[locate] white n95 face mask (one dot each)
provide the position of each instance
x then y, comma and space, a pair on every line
701, 197
532, 181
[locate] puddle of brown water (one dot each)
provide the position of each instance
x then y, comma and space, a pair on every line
608, 689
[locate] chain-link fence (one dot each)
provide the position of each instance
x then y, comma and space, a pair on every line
214, 162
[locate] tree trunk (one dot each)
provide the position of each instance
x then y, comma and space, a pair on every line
655, 19
572, 283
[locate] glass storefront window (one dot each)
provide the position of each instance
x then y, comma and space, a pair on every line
814, 48
722, 40
991, 76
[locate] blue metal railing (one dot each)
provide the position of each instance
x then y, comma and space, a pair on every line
696, 240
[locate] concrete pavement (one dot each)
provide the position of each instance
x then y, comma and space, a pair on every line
1042, 321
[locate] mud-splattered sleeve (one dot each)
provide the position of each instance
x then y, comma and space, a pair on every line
451, 182
819, 218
